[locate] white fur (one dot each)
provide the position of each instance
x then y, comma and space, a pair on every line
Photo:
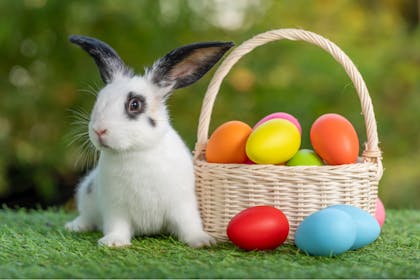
144, 181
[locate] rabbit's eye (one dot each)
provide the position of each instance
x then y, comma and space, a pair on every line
134, 106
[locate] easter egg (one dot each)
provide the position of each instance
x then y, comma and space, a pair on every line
334, 139
227, 143
380, 212
367, 228
280, 115
327, 232
305, 157
273, 142
258, 228
248, 161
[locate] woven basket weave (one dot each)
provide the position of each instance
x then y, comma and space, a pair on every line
223, 190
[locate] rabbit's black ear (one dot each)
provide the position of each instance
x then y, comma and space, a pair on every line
185, 65
106, 58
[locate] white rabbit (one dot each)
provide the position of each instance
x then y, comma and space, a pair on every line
144, 181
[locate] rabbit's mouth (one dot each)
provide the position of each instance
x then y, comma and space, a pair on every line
102, 143
99, 137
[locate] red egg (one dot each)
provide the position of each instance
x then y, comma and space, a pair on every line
334, 139
258, 228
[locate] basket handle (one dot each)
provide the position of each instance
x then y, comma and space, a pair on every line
371, 153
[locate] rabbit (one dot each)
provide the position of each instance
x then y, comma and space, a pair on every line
143, 183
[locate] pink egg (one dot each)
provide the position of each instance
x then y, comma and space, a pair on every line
280, 115
380, 212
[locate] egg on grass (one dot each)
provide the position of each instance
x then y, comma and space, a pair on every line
258, 228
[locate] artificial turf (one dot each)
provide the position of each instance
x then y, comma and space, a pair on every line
34, 244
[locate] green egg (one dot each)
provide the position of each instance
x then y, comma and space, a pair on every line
305, 157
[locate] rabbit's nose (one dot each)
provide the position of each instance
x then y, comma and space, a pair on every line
100, 132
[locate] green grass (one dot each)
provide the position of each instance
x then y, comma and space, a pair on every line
34, 245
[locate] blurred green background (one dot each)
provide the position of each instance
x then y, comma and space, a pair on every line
43, 77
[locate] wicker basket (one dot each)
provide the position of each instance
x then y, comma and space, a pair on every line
223, 190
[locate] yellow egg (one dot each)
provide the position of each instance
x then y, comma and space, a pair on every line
275, 141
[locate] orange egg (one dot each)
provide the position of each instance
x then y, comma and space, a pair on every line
334, 139
227, 143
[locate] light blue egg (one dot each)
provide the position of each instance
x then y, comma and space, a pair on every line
327, 232
367, 228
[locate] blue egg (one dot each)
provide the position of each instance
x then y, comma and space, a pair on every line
367, 228
327, 232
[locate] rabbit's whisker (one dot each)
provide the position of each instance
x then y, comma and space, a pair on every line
80, 135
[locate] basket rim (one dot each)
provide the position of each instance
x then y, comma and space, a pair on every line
371, 153
282, 166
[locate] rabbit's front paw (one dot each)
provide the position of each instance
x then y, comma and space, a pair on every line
200, 240
78, 225
114, 240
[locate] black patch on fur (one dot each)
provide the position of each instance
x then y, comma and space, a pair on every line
152, 122
106, 58
89, 188
132, 95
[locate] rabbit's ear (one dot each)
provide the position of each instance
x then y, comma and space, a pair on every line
106, 58
185, 65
